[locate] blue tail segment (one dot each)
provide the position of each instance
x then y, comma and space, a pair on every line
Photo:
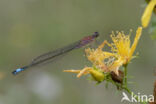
18, 71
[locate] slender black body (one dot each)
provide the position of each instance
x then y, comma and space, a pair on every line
50, 55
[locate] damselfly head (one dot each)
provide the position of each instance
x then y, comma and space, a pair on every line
96, 34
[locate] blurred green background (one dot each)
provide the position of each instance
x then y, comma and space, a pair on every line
29, 28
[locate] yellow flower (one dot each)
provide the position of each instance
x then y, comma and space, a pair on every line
107, 62
102, 60
98, 56
148, 13
122, 48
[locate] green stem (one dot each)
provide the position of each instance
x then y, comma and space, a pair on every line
125, 75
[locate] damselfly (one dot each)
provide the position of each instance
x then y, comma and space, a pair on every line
50, 55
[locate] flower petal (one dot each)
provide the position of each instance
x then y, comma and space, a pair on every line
148, 13
137, 37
